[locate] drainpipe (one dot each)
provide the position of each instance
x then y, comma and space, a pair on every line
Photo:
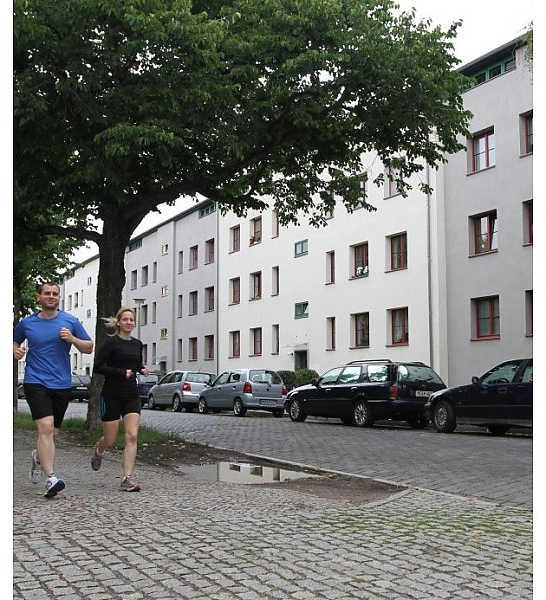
217, 289
429, 274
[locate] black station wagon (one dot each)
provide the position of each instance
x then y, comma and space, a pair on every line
364, 391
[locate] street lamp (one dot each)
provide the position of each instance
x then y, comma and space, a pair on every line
139, 302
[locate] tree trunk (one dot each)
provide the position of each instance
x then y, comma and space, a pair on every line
111, 281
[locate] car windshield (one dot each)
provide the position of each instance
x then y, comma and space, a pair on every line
270, 377
148, 378
198, 377
504, 373
418, 374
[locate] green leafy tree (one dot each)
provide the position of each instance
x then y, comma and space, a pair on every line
123, 105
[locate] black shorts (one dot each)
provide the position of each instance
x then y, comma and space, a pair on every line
44, 402
112, 408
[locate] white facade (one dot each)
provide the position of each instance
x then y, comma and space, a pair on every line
502, 189
435, 288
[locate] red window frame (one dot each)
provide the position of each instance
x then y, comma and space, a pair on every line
488, 322
399, 255
362, 330
399, 327
235, 344
360, 259
257, 341
485, 241
487, 153
256, 285
528, 134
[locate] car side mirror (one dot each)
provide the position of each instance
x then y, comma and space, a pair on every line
314, 382
476, 381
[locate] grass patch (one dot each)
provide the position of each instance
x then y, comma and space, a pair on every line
149, 439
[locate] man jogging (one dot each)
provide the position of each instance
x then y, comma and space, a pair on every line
50, 333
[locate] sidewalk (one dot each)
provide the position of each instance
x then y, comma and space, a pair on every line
182, 538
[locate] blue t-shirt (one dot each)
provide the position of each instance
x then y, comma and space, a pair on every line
48, 356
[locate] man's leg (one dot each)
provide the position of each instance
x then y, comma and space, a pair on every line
45, 444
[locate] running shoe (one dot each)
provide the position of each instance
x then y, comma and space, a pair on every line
96, 461
53, 486
35, 474
128, 485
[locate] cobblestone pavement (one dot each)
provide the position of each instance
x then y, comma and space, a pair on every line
182, 538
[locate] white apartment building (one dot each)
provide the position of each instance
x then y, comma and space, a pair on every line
489, 220
430, 279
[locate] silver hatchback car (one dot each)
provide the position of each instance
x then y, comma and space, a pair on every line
243, 389
178, 389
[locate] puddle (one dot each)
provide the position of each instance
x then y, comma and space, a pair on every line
245, 473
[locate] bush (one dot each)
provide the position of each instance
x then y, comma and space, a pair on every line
289, 379
305, 376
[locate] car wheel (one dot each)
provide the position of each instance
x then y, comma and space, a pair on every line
239, 409
177, 405
202, 406
418, 422
151, 403
443, 417
278, 412
362, 415
296, 411
498, 429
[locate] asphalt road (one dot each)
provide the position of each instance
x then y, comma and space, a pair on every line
468, 462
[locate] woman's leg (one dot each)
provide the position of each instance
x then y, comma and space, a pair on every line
131, 423
109, 434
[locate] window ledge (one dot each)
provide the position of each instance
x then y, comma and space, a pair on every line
480, 171
396, 270
526, 154
483, 253
359, 347
395, 344
485, 338
234, 303
525, 244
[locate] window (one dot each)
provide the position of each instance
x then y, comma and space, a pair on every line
76, 300
163, 334
209, 251
209, 299
194, 257
154, 272
154, 312
89, 280
164, 248
330, 266
275, 281
180, 261
256, 285
154, 353
135, 245
275, 340
483, 151
209, 347
207, 210
398, 252
192, 348
179, 350
133, 280
144, 276
529, 312
528, 222
235, 290
255, 230
69, 302
399, 326
361, 330
527, 133
392, 182
234, 344
88, 313
363, 191
164, 290
144, 315
235, 239
360, 260
301, 310
193, 303
330, 333
275, 223
179, 306
256, 341
145, 354
300, 248
486, 317
484, 233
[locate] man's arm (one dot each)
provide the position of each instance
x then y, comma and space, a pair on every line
84, 346
18, 351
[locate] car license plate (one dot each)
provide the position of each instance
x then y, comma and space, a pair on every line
423, 393
81, 389
266, 402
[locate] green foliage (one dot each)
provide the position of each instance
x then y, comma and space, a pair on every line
305, 376
289, 379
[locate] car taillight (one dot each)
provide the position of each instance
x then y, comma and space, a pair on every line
247, 388
393, 392
186, 387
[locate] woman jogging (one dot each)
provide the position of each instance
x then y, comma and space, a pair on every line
119, 360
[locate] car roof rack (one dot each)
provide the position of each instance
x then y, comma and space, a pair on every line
367, 360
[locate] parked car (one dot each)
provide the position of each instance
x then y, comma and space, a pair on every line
179, 389
81, 387
144, 384
500, 399
364, 391
243, 389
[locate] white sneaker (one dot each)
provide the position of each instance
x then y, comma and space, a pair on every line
53, 486
35, 474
